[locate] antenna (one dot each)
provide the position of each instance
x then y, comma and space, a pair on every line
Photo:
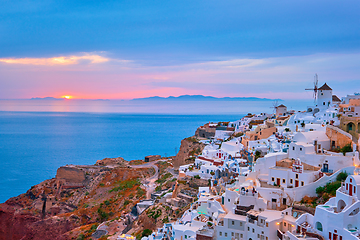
315, 89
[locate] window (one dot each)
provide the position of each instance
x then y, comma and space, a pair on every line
185, 236
296, 175
241, 235
284, 224
273, 179
354, 189
267, 224
302, 183
283, 180
232, 222
300, 149
232, 234
228, 199
248, 228
220, 233
291, 181
253, 230
226, 234
294, 148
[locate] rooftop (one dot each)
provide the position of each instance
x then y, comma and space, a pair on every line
325, 87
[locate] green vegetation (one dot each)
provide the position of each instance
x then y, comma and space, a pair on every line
126, 202
166, 219
346, 148
329, 190
102, 214
197, 176
146, 233
341, 176
287, 129
81, 237
140, 192
192, 139
154, 213
257, 155
127, 184
163, 178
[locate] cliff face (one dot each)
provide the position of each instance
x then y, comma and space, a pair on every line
189, 147
80, 197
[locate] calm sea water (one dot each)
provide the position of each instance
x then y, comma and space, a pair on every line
37, 137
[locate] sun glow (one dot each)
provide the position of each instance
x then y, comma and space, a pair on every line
67, 97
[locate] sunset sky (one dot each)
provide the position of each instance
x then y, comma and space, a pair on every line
131, 49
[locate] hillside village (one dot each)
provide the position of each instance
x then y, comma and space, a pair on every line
287, 175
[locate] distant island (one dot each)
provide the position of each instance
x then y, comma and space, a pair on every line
205, 98
46, 98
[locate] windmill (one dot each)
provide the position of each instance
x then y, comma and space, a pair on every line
275, 104
315, 89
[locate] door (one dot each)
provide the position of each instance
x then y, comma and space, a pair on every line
350, 189
325, 167
296, 183
278, 181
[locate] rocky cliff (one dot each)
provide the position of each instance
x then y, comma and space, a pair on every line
190, 147
74, 203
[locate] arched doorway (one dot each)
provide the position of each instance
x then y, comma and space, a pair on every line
350, 127
341, 205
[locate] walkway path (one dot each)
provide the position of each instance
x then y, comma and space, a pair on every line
150, 182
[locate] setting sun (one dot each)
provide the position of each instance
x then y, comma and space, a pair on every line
67, 97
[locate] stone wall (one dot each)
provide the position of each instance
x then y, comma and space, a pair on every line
70, 175
338, 137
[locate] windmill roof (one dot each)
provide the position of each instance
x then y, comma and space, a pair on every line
325, 87
282, 105
335, 98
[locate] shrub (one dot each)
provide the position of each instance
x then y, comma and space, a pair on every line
197, 176
126, 202
102, 214
146, 232
123, 185
320, 190
346, 148
287, 129
81, 237
341, 176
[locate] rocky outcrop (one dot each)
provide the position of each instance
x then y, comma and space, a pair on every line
16, 224
73, 203
112, 162
189, 147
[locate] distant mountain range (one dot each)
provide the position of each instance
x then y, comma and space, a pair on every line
179, 98
46, 98
204, 98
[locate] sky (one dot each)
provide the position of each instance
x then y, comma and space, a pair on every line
133, 49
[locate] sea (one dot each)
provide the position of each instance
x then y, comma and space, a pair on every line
39, 136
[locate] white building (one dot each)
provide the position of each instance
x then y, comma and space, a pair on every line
339, 217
